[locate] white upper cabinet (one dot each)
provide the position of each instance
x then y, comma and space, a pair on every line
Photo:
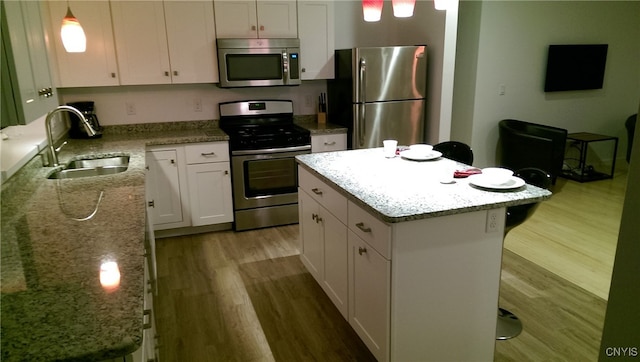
256, 19
152, 51
191, 34
97, 66
316, 33
28, 76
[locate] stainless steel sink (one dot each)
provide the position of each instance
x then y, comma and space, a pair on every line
93, 167
116, 161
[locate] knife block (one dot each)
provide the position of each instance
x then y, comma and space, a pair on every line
322, 117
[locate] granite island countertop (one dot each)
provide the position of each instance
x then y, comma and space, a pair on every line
397, 189
53, 306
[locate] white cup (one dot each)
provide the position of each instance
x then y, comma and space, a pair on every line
447, 169
390, 148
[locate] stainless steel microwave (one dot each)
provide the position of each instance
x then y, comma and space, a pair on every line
258, 62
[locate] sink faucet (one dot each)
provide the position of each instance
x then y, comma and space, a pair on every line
47, 124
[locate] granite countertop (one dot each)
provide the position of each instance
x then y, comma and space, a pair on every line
321, 128
397, 190
53, 305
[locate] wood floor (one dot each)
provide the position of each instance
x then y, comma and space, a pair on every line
246, 296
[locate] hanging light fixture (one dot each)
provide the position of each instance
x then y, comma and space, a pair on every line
72, 34
403, 8
372, 10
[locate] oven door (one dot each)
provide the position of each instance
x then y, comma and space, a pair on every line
265, 177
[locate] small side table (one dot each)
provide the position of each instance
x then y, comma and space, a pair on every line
587, 161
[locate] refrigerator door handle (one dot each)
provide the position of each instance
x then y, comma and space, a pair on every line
361, 91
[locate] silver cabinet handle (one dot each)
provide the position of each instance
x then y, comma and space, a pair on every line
361, 250
361, 226
330, 143
151, 203
166, 74
175, 72
207, 154
113, 75
314, 216
146, 323
317, 191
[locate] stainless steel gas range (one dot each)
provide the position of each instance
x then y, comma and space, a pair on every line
263, 141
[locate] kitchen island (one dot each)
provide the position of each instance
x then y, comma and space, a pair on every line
412, 263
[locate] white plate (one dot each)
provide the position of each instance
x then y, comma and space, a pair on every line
480, 181
413, 155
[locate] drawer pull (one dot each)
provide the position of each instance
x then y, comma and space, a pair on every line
146, 323
361, 250
314, 217
332, 143
207, 154
317, 191
361, 226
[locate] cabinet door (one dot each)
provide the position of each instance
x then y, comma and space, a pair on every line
335, 281
210, 193
141, 42
29, 64
97, 66
316, 33
369, 296
163, 186
327, 143
236, 19
277, 19
311, 248
191, 35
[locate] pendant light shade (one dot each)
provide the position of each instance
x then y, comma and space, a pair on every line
72, 34
441, 4
372, 10
403, 8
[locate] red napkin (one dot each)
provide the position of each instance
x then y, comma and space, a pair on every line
466, 172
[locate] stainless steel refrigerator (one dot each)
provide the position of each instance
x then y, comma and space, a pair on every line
379, 93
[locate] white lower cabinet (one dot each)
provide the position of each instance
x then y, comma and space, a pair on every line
328, 142
324, 249
351, 272
369, 295
189, 185
208, 172
165, 184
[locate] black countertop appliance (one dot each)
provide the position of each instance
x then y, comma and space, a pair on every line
88, 109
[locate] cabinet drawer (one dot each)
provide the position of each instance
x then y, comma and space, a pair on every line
324, 194
207, 152
370, 229
329, 142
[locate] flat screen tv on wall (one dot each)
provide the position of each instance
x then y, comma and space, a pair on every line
575, 67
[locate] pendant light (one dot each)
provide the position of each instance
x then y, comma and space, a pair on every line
403, 8
72, 34
441, 4
372, 10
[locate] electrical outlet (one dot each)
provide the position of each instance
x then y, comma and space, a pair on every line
131, 108
493, 217
197, 105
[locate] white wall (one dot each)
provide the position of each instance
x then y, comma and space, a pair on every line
511, 47
175, 103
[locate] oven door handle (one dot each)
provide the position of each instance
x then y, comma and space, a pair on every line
271, 150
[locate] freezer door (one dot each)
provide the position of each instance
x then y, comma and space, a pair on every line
400, 120
389, 73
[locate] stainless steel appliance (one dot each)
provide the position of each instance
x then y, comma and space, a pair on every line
88, 110
379, 93
263, 141
258, 62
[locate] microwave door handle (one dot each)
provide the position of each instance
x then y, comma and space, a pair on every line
285, 67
